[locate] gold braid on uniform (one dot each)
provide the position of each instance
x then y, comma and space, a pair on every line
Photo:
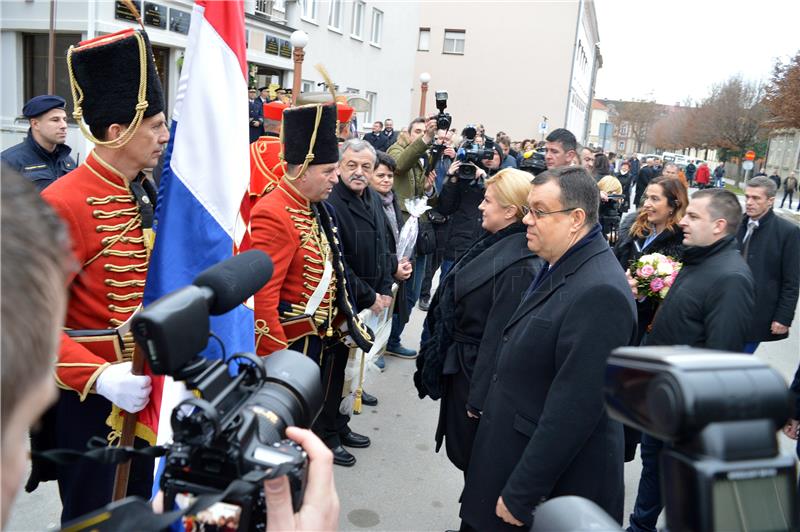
141, 106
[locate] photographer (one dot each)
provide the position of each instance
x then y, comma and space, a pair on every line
461, 194
445, 156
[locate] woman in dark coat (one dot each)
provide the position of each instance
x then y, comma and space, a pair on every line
381, 182
654, 229
467, 314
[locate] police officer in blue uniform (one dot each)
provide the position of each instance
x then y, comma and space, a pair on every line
42, 156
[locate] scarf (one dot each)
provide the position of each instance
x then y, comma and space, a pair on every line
387, 200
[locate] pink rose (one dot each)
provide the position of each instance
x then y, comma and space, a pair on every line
639, 272
669, 280
656, 284
647, 270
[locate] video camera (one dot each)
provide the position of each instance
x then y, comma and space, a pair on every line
719, 413
230, 436
533, 162
472, 153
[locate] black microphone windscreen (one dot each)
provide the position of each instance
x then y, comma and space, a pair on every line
235, 279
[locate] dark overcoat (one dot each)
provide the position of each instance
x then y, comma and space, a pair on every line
774, 259
364, 248
487, 290
544, 431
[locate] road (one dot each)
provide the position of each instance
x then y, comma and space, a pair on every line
400, 483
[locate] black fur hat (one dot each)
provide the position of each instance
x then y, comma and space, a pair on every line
298, 127
108, 71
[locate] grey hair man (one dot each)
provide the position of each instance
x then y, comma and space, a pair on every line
771, 246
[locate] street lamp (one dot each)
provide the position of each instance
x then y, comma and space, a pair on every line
424, 79
299, 40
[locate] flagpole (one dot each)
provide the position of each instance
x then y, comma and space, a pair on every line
51, 51
128, 434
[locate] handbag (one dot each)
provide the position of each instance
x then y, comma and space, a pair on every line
426, 238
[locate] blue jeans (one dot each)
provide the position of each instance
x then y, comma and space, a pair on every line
413, 288
648, 504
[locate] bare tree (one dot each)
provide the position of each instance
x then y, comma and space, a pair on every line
732, 117
639, 115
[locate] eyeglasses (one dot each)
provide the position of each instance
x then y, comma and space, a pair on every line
537, 213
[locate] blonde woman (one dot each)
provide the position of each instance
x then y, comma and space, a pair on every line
467, 314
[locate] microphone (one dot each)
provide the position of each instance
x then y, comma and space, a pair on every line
231, 282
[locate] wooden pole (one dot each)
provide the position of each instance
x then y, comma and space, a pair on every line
51, 51
299, 55
422, 96
128, 434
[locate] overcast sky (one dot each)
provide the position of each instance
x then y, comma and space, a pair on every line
669, 50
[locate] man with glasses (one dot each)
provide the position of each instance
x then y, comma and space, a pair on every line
544, 431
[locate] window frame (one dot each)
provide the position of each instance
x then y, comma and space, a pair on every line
335, 6
419, 40
372, 98
379, 14
359, 35
463, 41
305, 6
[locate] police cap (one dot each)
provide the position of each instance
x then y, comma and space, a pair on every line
38, 105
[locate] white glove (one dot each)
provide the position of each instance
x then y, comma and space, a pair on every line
128, 391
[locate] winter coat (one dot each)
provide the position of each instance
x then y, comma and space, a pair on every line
774, 259
710, 304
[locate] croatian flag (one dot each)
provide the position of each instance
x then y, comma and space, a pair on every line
206, 173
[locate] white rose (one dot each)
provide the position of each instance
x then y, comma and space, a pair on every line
664, 268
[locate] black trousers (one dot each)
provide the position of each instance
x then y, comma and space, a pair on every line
86, 485
333, 357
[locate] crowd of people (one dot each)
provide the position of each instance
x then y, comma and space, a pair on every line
525, 251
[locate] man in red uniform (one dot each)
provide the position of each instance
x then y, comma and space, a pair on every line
107, 205
266, 166
306, 305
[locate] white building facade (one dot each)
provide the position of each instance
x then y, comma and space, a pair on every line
352, 39
510, 65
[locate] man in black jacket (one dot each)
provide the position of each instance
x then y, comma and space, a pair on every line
359, 218
376, 138
771, 247
544, 431
709, 305
643, 178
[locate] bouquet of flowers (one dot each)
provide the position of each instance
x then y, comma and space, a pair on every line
654, 274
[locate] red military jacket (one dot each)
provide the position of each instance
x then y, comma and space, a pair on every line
266, 167
284, 227
107, 286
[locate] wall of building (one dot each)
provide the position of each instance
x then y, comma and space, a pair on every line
784, 152
515, 68
351, 62
383, 69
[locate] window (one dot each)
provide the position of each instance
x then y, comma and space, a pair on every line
335, 15
424, 41
377, 27
358, 19
35, 46
247, 38
621, 146
372, 98
307, 86
308, 10
454, 41
623, 130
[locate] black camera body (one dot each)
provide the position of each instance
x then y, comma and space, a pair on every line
234, 428
718, 413
533, 162
443, 120
472, 153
